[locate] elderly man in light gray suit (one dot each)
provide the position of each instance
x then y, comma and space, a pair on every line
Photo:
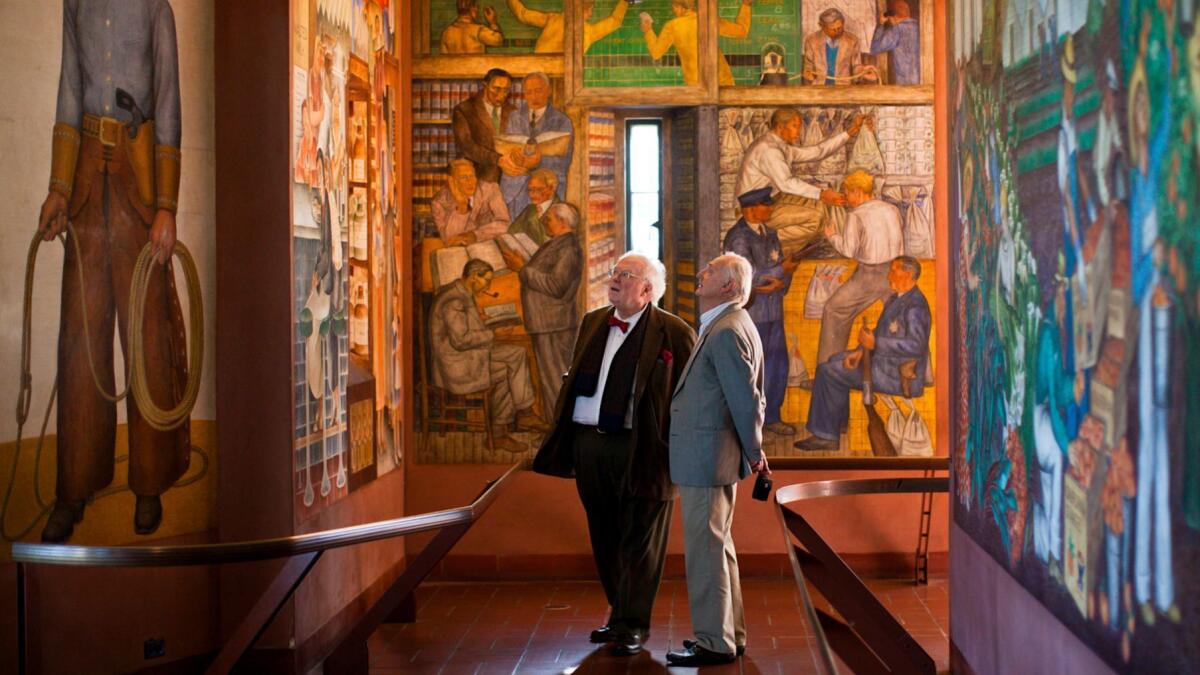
716, 440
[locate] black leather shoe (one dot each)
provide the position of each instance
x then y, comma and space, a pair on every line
61, 523
147, 515
688, 644
816, 443
629, 644
698, 656
603, 634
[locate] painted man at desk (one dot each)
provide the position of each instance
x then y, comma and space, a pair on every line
467, 359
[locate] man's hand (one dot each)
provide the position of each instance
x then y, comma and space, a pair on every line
857, 123
489, 15
531, 161
866, 338
511, 166
789, 265
512, 260
852, 359
761, 465
772, 285
461, 239
647, 22
162, 235
833, 197
53, 219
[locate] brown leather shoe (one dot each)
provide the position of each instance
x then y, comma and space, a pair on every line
147, 515
508, 444
61, 523
527, 421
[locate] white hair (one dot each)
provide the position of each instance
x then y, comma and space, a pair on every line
655, 273
738, 270
567, 212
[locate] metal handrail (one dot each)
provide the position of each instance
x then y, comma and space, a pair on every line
262, 549
860, 463
836, 488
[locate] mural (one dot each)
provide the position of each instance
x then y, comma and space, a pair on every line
347, 292
114, 178
509, 27
824, 202
1077, 462
500, 260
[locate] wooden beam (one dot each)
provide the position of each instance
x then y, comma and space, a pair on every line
864, 94
473, 67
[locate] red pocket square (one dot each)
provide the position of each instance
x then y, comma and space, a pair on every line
667, 356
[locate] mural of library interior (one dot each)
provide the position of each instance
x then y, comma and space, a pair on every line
588, 337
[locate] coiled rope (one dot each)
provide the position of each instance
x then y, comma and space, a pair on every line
136, 382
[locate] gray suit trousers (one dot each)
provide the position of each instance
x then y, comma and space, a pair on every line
714, 588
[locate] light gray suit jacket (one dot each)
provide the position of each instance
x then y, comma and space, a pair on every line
717, 411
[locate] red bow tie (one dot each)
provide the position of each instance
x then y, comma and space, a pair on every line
623, 325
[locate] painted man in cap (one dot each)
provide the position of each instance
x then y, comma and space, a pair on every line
753, 240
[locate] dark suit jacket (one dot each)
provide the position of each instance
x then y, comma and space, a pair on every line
549, 284
902, 344
668, 345
475, 138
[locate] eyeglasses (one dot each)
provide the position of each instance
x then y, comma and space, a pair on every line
622, 275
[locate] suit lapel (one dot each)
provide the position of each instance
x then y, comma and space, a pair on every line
651, 346
700, 344
484, 120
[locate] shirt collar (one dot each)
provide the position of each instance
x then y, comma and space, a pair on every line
707, 317
542, 207
631, 319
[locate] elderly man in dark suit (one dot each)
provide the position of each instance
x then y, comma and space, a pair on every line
549, 284
716, 440
899, 348
479, 119
610, 433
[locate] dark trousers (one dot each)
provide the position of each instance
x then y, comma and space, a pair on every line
775, 366
628, 534
830, 406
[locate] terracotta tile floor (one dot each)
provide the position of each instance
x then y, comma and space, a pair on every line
481, 628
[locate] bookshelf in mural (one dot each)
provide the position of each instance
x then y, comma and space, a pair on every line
603, 238
1077, 459
347, 283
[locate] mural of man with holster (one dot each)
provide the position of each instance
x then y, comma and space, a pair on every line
115, 177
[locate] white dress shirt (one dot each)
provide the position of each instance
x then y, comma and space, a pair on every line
707, 317
872, 235
587, 408
769, 161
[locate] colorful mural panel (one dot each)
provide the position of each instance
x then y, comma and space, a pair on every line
1077, 459
824, 201
500, 263
511, 27
347, 285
